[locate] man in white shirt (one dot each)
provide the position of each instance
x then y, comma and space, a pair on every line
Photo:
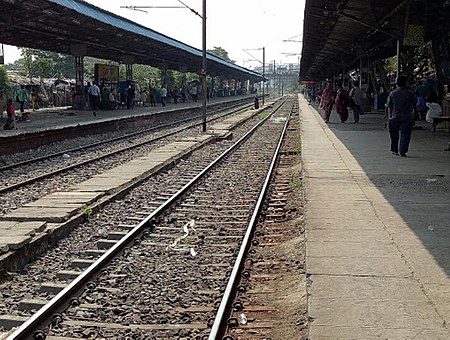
94, 97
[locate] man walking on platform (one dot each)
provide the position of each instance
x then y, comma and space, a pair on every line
163, 93
402, 108
356, 96
94, 97
151, 95
22, 96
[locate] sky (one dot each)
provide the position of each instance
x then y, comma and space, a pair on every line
234, 25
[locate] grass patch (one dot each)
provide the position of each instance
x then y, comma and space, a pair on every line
87, 211
295, 182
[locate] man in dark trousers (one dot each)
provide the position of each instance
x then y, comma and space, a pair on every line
401, 104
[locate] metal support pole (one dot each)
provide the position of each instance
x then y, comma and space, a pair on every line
79, 82
264, 73
129, 72
360, 72
204, 67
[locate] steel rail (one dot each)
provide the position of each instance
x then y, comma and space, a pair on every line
62, 299
133, 134
218, 325
109, 154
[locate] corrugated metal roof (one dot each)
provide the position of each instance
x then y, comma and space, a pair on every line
109, 18
337, 32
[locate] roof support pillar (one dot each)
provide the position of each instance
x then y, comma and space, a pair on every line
80, 99
164, 77
364, 73
79, 51
128, 60
129, 72
405, 63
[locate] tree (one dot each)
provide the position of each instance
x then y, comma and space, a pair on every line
5, 87
143, 74
221, 53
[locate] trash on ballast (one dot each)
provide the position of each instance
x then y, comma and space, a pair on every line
431, 180
190, 224
193, 252
430, 228
102, 232
242, 319
66, 155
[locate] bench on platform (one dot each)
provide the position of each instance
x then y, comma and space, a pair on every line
439, 120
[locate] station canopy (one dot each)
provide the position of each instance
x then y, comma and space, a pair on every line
77, 27
338, 32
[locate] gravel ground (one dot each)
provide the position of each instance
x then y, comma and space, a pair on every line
156, 265
115, 213
279, 254
148, 266
17, 198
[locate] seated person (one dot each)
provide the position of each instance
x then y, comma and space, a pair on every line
113, 103
11, 121
434, 109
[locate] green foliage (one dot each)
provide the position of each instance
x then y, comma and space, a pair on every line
44, 64
5, 83
418, 62
221, 53
295, 182
87, 211
191, 77
391, 65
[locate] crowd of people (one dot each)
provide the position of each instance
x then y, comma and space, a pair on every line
404, 106
106, 98
327, 98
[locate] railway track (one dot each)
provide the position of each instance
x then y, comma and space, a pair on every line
197, 227
267, 299
24, 179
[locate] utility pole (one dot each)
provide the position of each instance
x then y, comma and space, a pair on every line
204, 60
264, 74
274, 78
204, 67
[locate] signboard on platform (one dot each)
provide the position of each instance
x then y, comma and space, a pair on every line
108, 73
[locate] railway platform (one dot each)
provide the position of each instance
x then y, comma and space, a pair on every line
378, 236
48, 125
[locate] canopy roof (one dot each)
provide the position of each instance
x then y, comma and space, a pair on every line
75, 26
337, 32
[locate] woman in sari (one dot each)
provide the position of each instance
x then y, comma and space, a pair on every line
327, 102
341, 104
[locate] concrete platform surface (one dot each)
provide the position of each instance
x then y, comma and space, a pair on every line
58, 118
378, 231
